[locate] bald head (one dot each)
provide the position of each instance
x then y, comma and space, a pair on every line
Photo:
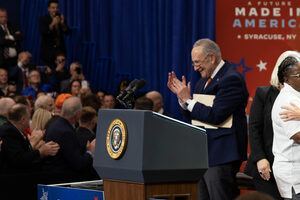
157, 99
5, 105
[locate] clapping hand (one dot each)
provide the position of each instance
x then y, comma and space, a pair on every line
180, 88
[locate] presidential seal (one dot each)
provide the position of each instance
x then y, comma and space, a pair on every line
116, 139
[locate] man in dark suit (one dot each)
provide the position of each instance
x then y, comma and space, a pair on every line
18, 152
87, 123
52, 27
227, 147
10, 39
22, 156
69, 159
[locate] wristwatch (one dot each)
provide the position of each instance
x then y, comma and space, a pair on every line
188, 102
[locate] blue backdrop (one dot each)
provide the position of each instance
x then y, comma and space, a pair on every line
116, 39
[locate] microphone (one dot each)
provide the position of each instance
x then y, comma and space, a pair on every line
125, 91
126, 97
137, 86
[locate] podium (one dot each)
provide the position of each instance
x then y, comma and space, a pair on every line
160, 158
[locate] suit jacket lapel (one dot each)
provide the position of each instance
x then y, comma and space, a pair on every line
217, 77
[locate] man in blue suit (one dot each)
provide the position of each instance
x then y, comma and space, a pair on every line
227, 147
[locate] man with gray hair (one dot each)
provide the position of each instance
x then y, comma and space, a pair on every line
227, 147
5, 105
46, 102
69, 160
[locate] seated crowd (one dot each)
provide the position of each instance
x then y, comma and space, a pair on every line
48, 123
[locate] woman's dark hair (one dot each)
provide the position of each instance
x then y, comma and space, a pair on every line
285, 66
70, 85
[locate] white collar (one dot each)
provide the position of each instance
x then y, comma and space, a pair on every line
220, 65
289, 88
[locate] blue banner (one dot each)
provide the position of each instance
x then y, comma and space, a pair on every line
62, 193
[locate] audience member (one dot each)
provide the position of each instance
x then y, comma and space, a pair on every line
3, 82
158, 102
20, 72
61, 72
69, 157
57, 109
52, 27
87, 123
74, 88
143, 103
35, 85
92, 100
11, 89
22, 99
109, 101
122, 85
5, 106
45, 102
10, 39
101, 95
76, 74
18, 154
260, 161
59, 102
227, 147
40, 118
287, 133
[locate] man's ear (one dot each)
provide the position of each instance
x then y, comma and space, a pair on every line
213, 58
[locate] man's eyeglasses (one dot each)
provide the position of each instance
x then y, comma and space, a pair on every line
296, 75
198, 62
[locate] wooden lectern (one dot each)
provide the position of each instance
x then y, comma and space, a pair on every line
142, 155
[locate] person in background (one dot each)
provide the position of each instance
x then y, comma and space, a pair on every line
101, 95
70, 159
59, 102
122, 85
45, 102
3, 82
35, 85
87, 123
227, 147
286, 142
53, 26
260, 161
5, 105
76, 74
20, 73
60, 72
18, 153
158, 102
109, 101
10, 41
74, 88
40, 118
143, 103
91, 100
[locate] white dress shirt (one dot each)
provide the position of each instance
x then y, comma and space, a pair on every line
12, 52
